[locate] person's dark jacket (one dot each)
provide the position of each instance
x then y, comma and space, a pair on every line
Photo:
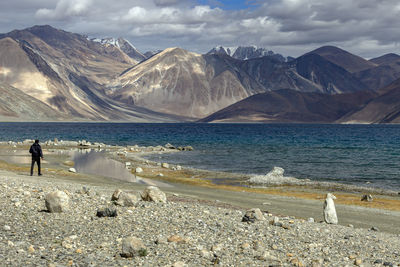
36, 151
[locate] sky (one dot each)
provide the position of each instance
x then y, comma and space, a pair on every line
368, 28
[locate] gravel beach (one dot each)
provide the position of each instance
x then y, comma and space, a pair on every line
196, 226
181, 232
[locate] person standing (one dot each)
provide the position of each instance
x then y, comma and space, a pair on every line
37, 154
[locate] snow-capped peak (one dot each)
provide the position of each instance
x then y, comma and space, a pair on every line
123, 44
245, 52
106, 41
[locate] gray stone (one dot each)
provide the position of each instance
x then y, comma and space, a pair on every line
124, 199
329, 209
367, 198
253, 215
154, 194
57, 201
107, 212
132, 246
73, 170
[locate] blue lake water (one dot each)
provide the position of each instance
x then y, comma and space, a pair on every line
353, 154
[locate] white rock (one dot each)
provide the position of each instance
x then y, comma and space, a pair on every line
153, 193
160, 174
311, 220
178, 167
57, 201
72, 170
274, 177
6, 228
165, 165
138, 170
128, 164
329, 209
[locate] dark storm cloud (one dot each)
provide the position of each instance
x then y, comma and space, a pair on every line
291, 27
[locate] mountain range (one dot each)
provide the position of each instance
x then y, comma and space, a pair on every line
48, 74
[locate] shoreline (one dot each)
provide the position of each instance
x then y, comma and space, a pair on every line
199, 181
201, 224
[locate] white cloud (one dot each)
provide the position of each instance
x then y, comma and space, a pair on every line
65, 9
292, 27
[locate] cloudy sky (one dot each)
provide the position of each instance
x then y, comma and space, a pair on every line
292, 27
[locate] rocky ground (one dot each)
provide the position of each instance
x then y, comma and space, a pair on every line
180, 232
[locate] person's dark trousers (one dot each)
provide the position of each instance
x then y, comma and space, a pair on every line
37, 160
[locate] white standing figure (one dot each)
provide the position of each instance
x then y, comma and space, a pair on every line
329, 209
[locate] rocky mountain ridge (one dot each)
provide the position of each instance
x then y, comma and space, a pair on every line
247, 52
101, 80
122, 44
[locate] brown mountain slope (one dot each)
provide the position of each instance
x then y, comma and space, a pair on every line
386, 59
308, 73
68, 72
291, 106
344, 59
380, 76
16, 105
179, 82
383, 109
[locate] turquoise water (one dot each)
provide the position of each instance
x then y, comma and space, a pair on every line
353, 154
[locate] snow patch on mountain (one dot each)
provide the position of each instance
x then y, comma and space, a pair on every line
247, 52
124, 45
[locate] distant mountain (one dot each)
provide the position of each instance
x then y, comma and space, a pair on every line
344, 59
68, 73
386, 59
149, 54
291, 106
386, 71
246, 52
183, 83
329, 77
308, 73
382, 109
124, 45
51, 74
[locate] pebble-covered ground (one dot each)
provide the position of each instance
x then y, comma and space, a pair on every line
181, 232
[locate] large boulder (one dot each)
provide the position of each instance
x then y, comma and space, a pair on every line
253, 215
153, 193
57, 201
133, 246
124, 199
